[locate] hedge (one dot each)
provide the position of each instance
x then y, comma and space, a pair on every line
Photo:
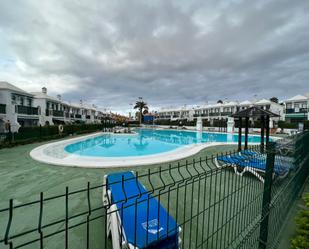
216, 123
286, 125
27, 135
183, 122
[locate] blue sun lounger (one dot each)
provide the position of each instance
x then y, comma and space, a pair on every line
135, 218
251, 164
251, 153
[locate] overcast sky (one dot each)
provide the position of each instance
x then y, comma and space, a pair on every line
169, 52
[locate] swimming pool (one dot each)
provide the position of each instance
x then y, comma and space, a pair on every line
143, 147
146, 142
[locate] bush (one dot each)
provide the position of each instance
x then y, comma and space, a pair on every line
301, 240
183, 122
28, 135
286, 125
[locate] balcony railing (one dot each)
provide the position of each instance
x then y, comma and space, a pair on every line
28, 110
214, 114
226, 113
2, 108
300, 110
57, 113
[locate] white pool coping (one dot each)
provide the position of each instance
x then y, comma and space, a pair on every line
54, 153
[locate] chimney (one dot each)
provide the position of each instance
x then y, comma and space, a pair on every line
44, 90
59, 97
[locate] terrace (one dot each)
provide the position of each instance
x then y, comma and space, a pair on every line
28, 110
298, 110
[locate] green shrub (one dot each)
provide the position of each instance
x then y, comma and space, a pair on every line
28, 135
301, 240
286, 125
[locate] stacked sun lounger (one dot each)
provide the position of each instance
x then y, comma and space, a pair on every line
135, 218
254, 163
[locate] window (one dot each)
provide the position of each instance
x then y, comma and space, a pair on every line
289, 105
13, 97
29, 102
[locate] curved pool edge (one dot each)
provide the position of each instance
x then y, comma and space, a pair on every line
72, 160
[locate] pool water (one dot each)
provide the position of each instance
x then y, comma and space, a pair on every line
147, 142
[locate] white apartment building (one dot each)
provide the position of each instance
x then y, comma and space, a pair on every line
219, 111
176, 113
297, 108
16, 107
20, 108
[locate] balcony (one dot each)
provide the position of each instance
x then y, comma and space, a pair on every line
78, 116
2, 108
67, 115
300, 110
57, 113
226, 113
28, 110
87, 116
214, 114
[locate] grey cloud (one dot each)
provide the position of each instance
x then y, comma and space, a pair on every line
169, 52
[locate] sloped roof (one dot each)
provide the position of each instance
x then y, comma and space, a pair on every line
254, 111
263, 101
246, 102
8, 86
298, 97
231, 103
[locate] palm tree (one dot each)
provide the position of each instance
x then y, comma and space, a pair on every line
141, 105
274, 99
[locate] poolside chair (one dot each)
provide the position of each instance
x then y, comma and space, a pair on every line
256, 154
136, 219
253, 165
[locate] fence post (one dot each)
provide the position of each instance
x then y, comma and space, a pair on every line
270, 162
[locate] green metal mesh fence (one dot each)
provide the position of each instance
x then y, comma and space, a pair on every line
234, 200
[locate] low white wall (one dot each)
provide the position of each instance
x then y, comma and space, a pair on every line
217, 129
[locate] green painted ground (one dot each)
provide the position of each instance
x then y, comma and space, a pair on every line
222, 202
22, 179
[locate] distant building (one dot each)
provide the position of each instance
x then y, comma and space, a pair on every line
297, 108
19, 108
218, 111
